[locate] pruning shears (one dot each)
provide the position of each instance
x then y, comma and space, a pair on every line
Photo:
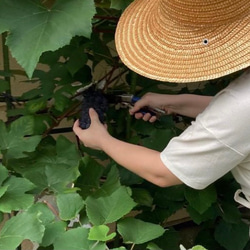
128, 100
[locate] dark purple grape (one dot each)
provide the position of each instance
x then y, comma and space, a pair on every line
92, 99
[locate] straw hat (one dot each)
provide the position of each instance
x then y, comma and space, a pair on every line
185, 40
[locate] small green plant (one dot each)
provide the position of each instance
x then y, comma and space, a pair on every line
61, 195
193, 248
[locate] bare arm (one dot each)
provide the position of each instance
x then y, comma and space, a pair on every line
140, 160
184, 104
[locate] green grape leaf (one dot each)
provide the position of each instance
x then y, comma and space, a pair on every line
25, 225
3, 191
201, 200
137, 231
142, 197
15, 197
100, 50
89, 180
111, 184
61, 100
153, 246
52, 167
169, 240
100, 233
53, 227
198, 218
69, 205
35, 105
108, 209
77, 60
76, 239
46, 216
1, 217
41, 122
119, 248
198, 248
232, 236
35, 29
52, 231
3, 173
230, 212
120, 4
157, 138
18, 140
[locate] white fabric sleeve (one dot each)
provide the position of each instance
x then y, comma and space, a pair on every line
216, 142
197, 158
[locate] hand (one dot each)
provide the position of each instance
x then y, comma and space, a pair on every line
95, 134
148, 100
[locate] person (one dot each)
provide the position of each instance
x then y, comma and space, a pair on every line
186, 41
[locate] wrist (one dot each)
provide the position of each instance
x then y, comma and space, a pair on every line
169, 103
105, 140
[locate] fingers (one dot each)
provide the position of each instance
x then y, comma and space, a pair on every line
138, 115
76, 127
135, 108
94, 119
153, 119
139, 105
145, 117
93, 115
149, 117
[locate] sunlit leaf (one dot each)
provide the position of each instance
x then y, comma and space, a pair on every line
100, 233
198, 248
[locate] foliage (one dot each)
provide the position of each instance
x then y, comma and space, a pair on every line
61, 195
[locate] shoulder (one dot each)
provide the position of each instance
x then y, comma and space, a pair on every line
227, 116
241, 84
234, 99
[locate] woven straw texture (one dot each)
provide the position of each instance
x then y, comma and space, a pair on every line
185, 40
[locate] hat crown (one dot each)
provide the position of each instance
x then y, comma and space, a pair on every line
204, 12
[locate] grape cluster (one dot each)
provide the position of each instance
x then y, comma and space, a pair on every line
92, 99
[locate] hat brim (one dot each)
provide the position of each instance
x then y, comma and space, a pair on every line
168, 51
